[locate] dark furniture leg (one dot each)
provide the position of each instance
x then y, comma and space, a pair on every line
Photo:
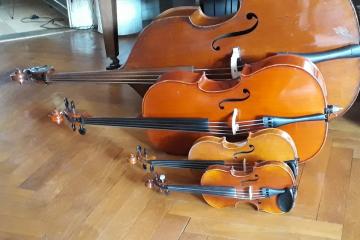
110, 31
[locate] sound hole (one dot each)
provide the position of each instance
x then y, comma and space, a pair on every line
251, 149
223, 102
249, 17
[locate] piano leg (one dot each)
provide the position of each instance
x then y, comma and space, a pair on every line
110, 31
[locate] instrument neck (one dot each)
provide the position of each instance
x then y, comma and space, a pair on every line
352, 51
136, 76
180, 124
203, 164
190, 164
117, 76
223, 191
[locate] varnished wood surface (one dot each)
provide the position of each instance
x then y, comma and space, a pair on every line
56, 184
286, 26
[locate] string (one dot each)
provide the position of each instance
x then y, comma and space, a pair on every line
152, 75
168, 125
205, 164
244, 195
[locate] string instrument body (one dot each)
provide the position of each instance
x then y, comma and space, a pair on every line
268, 186
259, 28
276, 89
273, 175
265, 145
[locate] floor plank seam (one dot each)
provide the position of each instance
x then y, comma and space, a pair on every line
182, 232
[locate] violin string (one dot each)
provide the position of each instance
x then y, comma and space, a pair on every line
220, 191
238, 165
201, 163
245, 195
204, 166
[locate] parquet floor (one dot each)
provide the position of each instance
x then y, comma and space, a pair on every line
56, 184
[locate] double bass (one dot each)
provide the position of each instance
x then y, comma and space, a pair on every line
187, 39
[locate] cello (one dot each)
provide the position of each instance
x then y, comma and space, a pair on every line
277, 94
259, 28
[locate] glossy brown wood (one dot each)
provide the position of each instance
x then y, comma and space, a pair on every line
294, 26
268, 145
277, 89
276, 175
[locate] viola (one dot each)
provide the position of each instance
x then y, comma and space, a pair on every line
276, 95
259, 29
269, 186
265, 145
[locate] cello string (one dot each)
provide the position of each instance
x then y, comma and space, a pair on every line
170, 124
178, 121
181, 128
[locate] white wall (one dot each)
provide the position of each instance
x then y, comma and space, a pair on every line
131, 14
81, 13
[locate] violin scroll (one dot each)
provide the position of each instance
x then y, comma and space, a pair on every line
38, 74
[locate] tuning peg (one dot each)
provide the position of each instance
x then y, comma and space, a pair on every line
149, 183
18, 76
132, 159
82, 130
138, 150
72, 105
66, 102
162, 178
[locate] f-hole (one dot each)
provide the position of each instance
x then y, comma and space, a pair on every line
249, 17
251, 149
223, 102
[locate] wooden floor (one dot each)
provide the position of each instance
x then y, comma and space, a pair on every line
56, 184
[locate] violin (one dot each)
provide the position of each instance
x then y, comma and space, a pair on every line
265, 145
268, 186
279, 95
259, 29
